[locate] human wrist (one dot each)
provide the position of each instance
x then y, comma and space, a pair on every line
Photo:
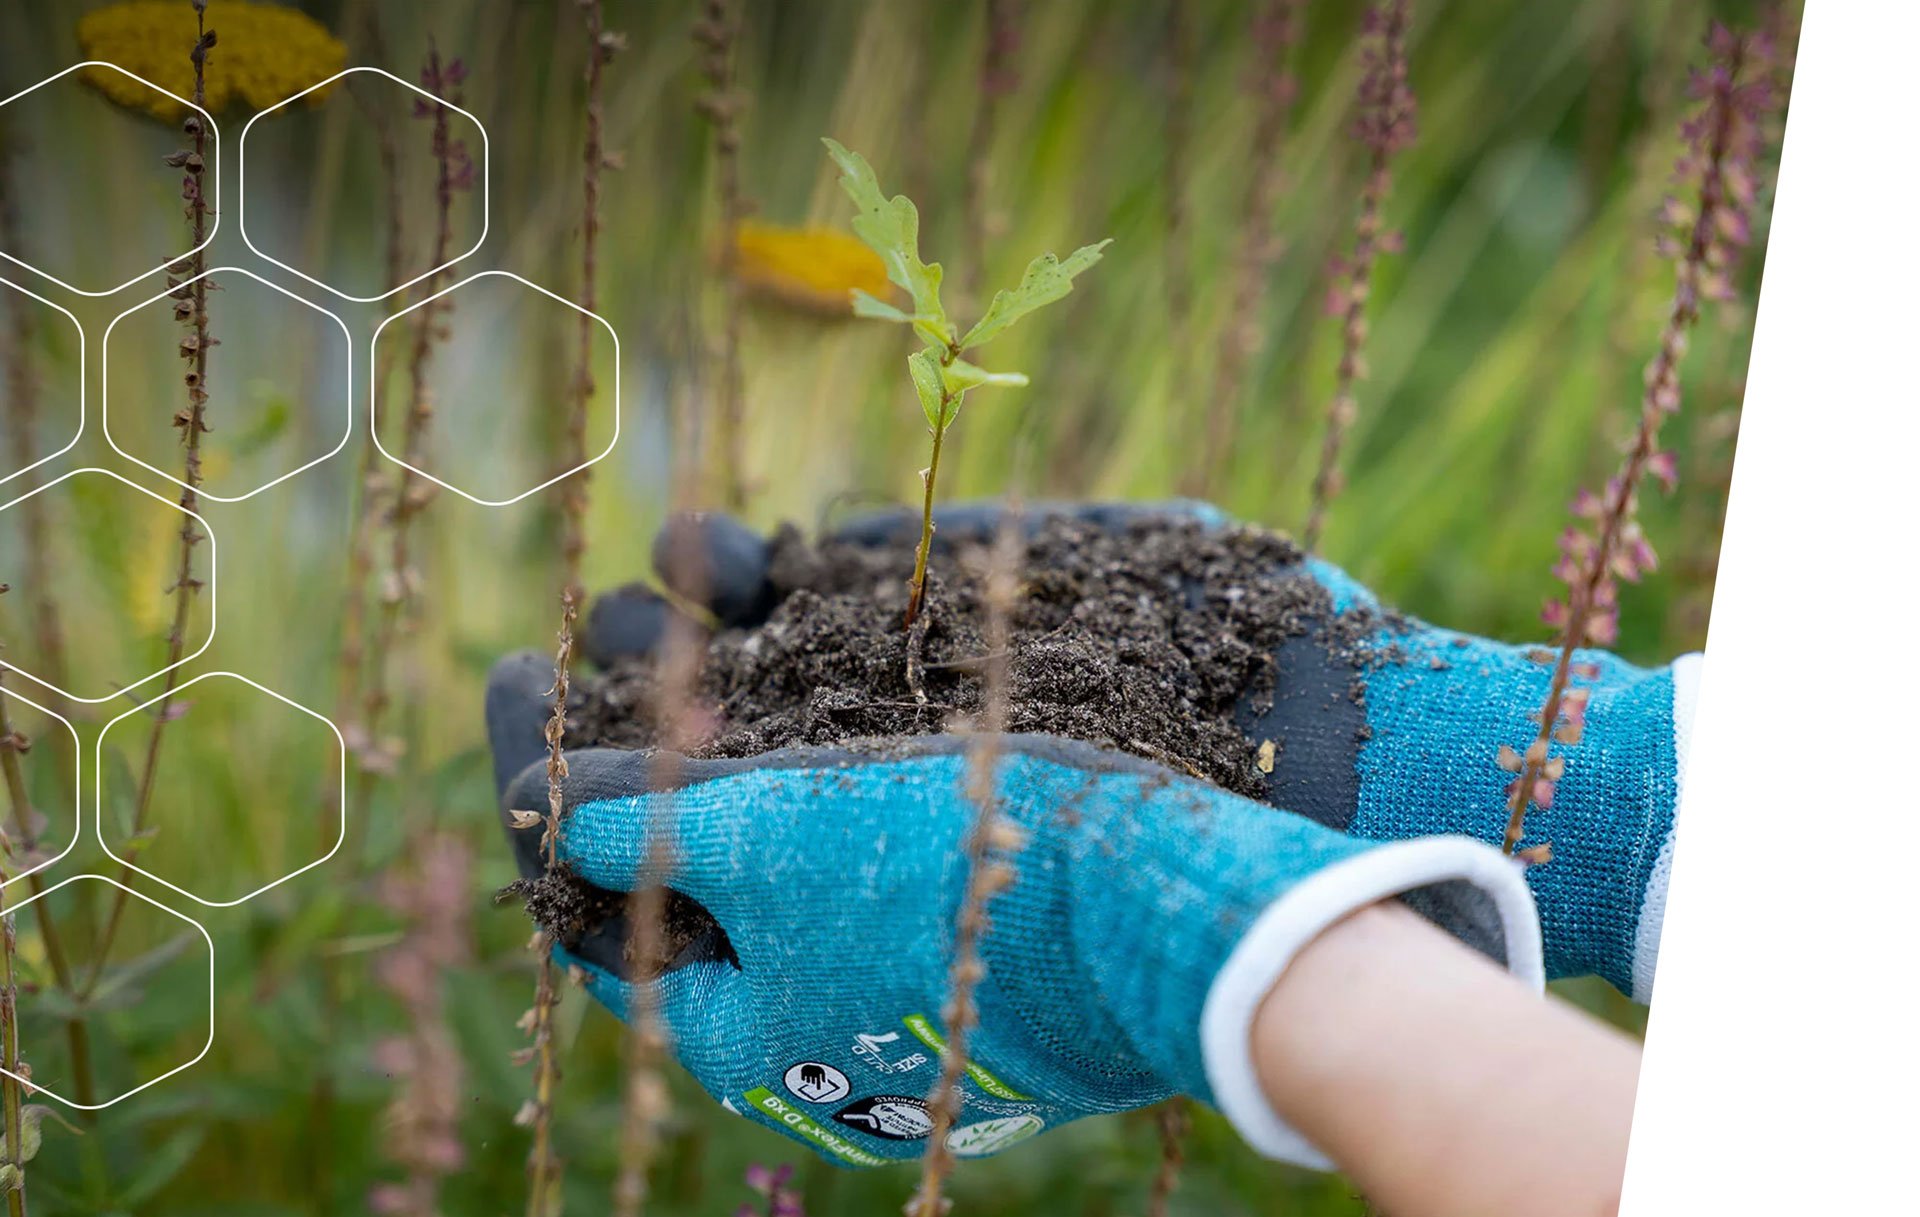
1454, 873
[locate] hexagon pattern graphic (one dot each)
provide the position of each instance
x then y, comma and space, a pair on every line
105, 553
284, 379
130, 187
162, 958
47, 415
434, 151
222, 835
39, 797
491, 387
100, 555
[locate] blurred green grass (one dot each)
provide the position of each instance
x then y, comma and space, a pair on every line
1506, 351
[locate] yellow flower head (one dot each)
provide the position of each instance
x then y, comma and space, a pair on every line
265, 53
810, 268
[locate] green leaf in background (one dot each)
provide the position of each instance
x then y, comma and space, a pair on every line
931, 386
880, 310
891, 228
963, 376
1047, 279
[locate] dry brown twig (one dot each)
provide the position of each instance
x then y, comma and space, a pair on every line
1721, 165
718, 34
543, 1197
998, 78
1275, 31
1385, 126
14, 1168
990, 841
190, 308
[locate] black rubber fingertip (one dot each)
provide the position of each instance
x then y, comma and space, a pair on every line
625, 623
715, 560
518, 704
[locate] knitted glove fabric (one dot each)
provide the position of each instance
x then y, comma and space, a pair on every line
1414, 754
1148, 915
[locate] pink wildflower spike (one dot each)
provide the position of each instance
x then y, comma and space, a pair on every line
1664, 468
1554, 613
1587, 505
761, 1179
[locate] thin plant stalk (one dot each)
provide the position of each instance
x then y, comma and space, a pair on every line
1724, 139
543, 1166
1274, 32
990, 841
1173, 1120
718, 33
368, 483
191, 422
1385, 125
23, 424
399, 593
16, 1161
997, 80
1177, 257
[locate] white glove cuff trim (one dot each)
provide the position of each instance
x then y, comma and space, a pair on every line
1653, 903
1297, 918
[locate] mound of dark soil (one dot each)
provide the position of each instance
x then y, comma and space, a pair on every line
1157, 638
1146, 639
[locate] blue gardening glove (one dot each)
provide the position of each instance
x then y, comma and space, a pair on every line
1405, 748
1147, 916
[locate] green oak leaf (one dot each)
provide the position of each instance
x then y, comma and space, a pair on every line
1047, 279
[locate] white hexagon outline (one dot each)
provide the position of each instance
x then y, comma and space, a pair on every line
41, 1086
99, 784
212, 580
373, 390
486, 193
80, 428
106, 421
212, 127
62, 720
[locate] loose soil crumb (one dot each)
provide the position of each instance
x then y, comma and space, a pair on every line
1147, 638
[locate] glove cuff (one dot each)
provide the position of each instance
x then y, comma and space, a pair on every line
1653, 905
1287, 925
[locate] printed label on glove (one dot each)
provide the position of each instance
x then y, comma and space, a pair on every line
922, 1028
772, 1105
873, 1050
895, 1117
817, 1083
992, 1136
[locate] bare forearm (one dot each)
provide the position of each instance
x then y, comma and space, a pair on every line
1441, 1085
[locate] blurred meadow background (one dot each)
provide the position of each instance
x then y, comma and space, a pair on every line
366, 1009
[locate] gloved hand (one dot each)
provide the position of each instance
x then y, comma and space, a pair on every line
1414, 755
1148, 916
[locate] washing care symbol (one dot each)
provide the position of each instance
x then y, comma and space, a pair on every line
817, 1083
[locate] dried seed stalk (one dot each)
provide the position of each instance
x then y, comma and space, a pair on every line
989, 842
400, 584
23, 424
1275, 30
998, 78
1725, 141
190, 296
15, 1183
1385, 126
1173, 1120
422, 1122
16, 1161
1178, 253
542, 1165
368, 481
718, 33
